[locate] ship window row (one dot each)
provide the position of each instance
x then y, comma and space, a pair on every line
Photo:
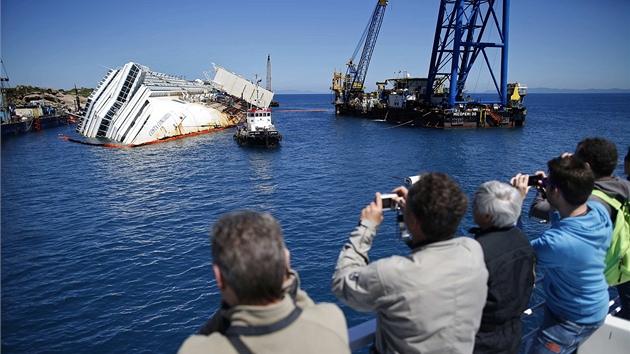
169, 82
173, 87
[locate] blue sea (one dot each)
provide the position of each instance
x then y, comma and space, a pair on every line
107, 250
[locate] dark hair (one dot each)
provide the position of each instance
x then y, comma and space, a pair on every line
248, 248
573, 177
439, 204
627, 158
601, 155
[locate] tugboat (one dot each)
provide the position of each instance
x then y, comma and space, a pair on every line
257, 130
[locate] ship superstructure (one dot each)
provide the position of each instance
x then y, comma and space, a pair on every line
134, 105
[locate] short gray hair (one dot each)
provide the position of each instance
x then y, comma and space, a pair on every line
500, 200
249, 248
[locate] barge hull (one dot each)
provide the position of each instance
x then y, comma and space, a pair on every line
37, 124
473, 117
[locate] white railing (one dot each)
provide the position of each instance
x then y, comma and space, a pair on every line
363, 333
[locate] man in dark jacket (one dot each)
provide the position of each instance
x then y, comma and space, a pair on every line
510, 260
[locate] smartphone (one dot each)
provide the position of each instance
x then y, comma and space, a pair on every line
533, 180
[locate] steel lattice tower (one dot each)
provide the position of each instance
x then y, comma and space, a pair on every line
458, 42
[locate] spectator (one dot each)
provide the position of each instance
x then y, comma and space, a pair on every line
626, 165
263, 309
431, 300
572, 253
601, 156
510, 261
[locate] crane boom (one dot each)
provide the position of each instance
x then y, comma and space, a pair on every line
358, 73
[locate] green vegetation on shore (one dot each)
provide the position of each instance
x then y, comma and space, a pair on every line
83, 91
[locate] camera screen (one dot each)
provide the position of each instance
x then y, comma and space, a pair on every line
388, 203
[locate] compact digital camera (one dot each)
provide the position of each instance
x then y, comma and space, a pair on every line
389, 201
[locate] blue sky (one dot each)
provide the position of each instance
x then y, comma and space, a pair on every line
556, 44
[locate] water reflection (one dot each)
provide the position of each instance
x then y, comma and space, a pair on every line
262, 176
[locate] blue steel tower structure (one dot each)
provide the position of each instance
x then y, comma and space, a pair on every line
458, 43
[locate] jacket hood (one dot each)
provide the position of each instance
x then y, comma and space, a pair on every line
591, 226
614, 186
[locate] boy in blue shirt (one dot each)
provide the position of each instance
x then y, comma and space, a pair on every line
572, 253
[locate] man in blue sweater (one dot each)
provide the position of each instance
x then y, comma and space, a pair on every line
572, 255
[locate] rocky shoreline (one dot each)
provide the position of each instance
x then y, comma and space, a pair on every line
60, 99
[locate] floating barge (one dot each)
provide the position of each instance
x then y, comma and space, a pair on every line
465, 33
401, 106
15, 127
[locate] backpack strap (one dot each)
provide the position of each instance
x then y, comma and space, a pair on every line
238, 345
233, 333
262, 330
605, 197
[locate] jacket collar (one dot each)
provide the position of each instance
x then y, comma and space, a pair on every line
250, 315
478, 232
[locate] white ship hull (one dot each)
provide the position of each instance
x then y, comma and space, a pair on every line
135, 106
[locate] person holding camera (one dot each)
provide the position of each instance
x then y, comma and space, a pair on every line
511, 263
263, 309
431, 300
601, 157
572, 254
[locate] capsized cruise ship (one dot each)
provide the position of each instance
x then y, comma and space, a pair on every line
133, 105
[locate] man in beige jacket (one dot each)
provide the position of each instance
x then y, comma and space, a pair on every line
431, 300
263, 309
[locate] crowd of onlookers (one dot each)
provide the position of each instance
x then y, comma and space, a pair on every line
449, 294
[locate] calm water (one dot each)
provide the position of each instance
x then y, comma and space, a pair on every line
106, 250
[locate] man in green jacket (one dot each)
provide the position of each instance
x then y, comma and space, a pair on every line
263, 308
